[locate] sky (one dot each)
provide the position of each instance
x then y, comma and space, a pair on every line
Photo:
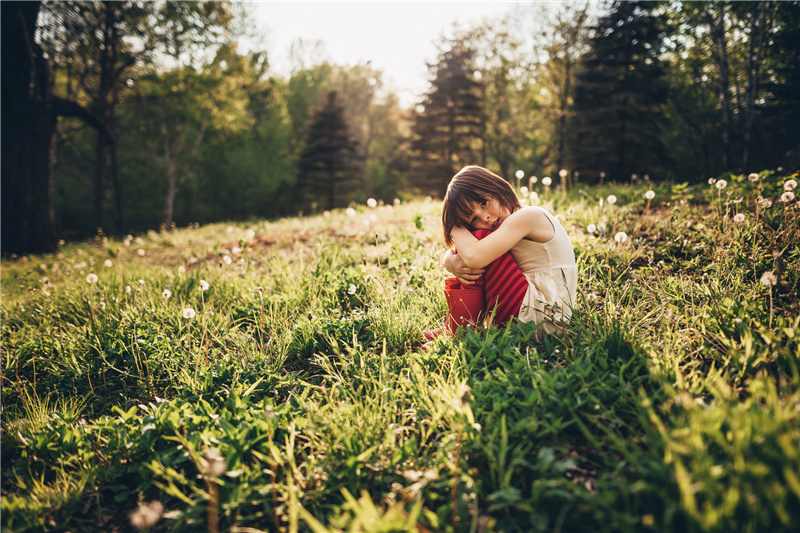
397, 38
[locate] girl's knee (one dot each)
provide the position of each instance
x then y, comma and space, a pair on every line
481, 233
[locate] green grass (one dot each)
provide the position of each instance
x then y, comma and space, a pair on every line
298, 399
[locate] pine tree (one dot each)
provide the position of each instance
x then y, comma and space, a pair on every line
328, 164
450, 129
620, 94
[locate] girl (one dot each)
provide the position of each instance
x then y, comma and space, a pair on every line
520, 257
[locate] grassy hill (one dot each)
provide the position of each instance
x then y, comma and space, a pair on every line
267, 376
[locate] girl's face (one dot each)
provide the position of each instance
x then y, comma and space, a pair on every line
488, 214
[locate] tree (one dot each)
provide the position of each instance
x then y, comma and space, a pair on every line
565, 42
30, 113
188, 102
620, 91
449, 127
328, 162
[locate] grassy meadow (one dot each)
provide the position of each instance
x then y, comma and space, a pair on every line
267, 376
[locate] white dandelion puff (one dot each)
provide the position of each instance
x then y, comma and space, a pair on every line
563, 173
768, 279
140, 252
203, 285
147, 515
250, 234
189, 313
141, 282
350, 212
611, 199
91, 278
721, 184
128, 289
236, 250
787, 197
167, 294
546, 181
650, 194
371, 202
107, 263
519, 174
790, 185
227, 259
351, 289
738, 218
591, 228
621, 237
753, 177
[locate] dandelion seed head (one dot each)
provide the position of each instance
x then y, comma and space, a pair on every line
524, 191
650, 194
611, 199
519, 174
128, 289
181, 269
563, 173
107, 263
546, 181
591, 228
215, 463
621, 237
227, 259
141, 282
721, 184
790, 185
326, 213
91, 278
140, 252
147, 515
787, 197
738, 218
189, 313
711, 181
753, 177
203, 285
167, 293
396, 201
534, 179
102, 305
768, 279
236, 250
250, 234
351, 289
371, 202
350, 212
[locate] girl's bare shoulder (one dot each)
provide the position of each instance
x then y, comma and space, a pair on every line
541, 228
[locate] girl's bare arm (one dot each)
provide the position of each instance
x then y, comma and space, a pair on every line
526, 222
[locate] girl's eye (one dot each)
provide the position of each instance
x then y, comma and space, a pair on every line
473, 221
483, 203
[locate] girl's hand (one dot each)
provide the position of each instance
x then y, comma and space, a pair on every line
455, 265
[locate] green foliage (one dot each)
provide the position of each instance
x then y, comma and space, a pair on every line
295, 397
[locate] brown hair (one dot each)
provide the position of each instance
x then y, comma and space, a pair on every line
471, 185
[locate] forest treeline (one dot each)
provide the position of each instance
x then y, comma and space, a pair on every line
126, 116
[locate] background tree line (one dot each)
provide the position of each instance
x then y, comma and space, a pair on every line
132, 115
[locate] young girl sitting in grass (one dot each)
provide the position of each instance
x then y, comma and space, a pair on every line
519, 257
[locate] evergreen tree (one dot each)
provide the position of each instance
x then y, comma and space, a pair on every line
449, 130
328, 163
620, 94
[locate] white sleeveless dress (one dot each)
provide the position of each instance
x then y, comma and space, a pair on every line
552, 279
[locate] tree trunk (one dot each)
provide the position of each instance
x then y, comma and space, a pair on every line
717, 26
753, 67
29, 121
